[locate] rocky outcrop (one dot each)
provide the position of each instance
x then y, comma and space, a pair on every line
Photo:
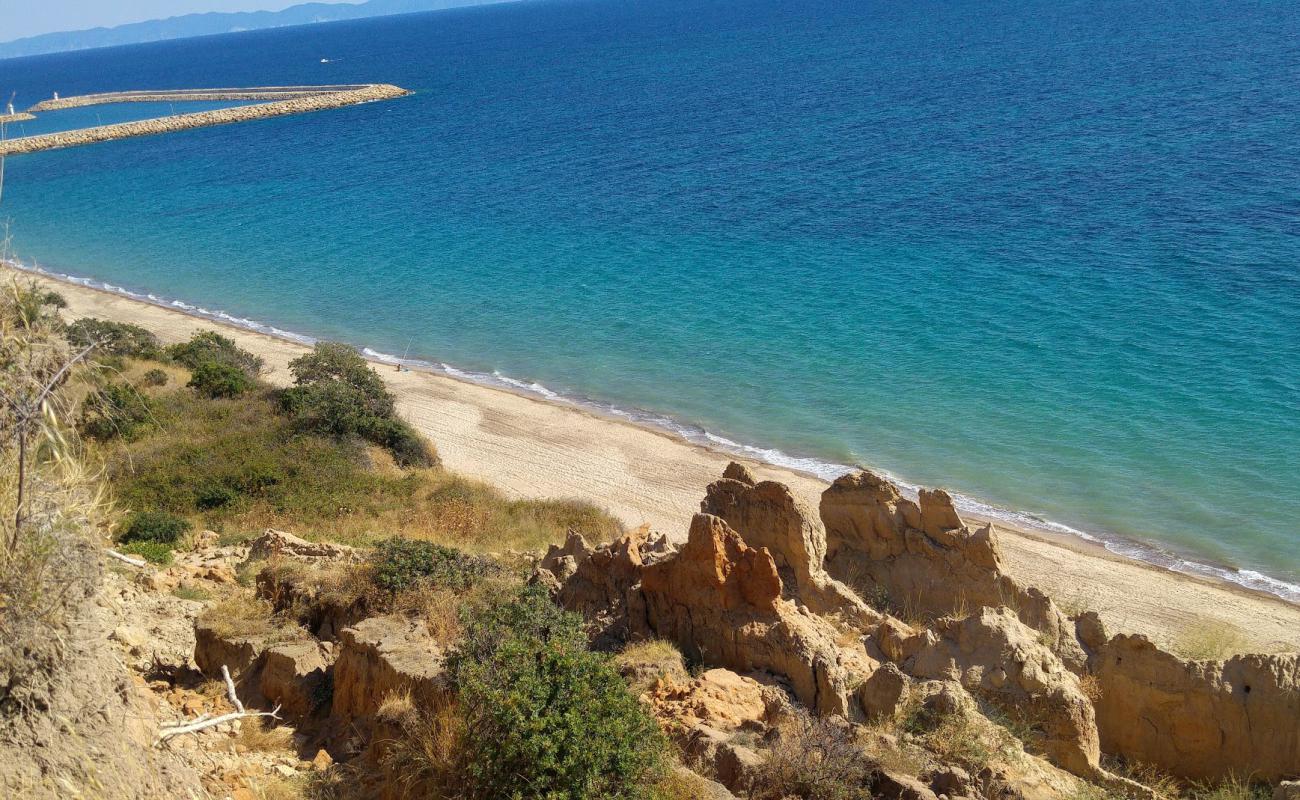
995, 656
214, 647
767, 515
603, 584
299, 592
1201, 720
384, 657
294, 676
273, 544
720, 601
718, 698
920, 559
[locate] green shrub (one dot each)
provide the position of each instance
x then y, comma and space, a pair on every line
153, 552
113, 338
154, 526
209, 497
399, 564
211, 347
116, 409
215, 379
406, 445
336, 392
154, 377
544, 716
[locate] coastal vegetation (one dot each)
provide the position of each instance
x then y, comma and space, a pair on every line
476, 646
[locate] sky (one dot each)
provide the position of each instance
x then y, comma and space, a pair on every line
20, 18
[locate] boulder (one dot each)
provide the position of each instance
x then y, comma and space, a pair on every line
1200, 720
714, 752
883, 694
1287, 790
699, 787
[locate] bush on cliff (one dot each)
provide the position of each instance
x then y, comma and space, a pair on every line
399, 564
154, 526
113, 338
115, 409
217, 380
544, 716
336, 392
209, 347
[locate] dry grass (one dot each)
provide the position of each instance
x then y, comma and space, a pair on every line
257, 736
1232, 788
426, 756
815, 758
319, 487
1210, 640
241, 615
644, 663
1091, 687
273, 787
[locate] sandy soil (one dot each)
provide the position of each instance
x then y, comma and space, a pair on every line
533, 448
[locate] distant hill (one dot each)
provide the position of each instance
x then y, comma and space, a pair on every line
211, 23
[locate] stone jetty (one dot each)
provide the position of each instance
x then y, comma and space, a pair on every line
283, 101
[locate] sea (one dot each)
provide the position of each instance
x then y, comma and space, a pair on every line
1043, 253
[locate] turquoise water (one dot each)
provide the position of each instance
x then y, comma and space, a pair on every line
1044, 254
72, 118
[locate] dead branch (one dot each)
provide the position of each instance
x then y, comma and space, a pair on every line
203, 721
135, 562
230, 690
201, 724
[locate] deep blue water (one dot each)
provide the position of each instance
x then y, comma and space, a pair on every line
1046, 254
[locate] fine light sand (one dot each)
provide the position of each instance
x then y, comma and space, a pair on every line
532, 448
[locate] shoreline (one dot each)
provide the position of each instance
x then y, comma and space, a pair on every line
493, 427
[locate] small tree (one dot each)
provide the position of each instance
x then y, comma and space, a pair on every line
336, 392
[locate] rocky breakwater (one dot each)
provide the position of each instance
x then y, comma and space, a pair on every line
188, 95
764, 588
299, 103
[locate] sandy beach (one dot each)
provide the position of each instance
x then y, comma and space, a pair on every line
534, 448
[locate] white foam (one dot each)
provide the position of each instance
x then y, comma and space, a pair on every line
826, 470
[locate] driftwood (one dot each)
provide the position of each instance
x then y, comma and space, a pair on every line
135, 562
204, 721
